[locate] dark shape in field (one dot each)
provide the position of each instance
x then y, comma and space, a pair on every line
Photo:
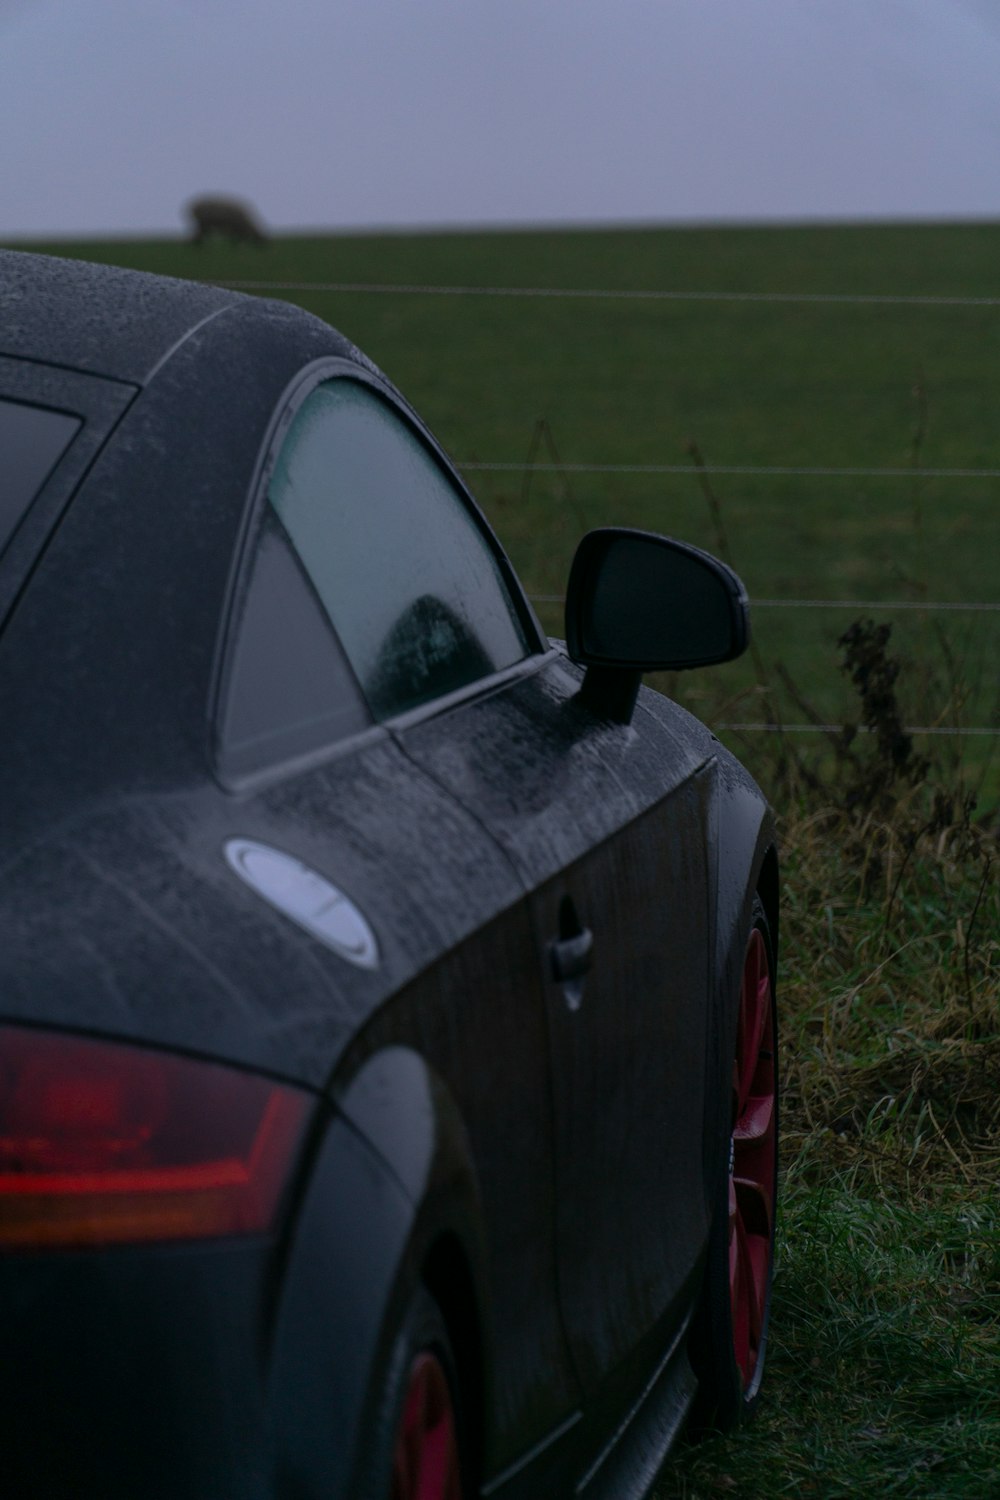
227, 217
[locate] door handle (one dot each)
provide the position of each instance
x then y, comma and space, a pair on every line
571, 955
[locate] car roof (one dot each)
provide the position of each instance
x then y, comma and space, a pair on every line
100, 319
157, 514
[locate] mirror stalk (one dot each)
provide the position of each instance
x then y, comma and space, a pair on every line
610, 692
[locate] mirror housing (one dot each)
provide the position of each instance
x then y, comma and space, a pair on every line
637, 602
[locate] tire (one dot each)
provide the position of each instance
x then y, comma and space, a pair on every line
414, 1450
729, 1335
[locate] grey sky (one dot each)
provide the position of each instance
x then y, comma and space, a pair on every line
350, 113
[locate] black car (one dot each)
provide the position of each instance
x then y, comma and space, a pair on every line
387, 1040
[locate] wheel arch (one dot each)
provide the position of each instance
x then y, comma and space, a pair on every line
745, 865
392, 1205
448, 1277
768, 890
746, 879
407, 1114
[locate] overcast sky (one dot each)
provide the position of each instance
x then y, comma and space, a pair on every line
356, 113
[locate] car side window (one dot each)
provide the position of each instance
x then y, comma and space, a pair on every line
404, 570
289, 689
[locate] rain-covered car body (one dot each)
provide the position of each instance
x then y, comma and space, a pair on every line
358, 894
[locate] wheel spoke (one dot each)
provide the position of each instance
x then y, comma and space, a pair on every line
425, 1462
755, 1121
757, 1246
749, 1265
740, 1295
755, 1006
753, 1159
754, 1205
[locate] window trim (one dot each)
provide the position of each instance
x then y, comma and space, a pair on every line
224, 760
340, 368
99, 403
481, 687
320, 372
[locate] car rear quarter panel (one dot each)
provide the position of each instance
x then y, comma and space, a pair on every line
134, 1371
476, 1021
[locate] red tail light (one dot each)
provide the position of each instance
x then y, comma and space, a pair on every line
104, 1143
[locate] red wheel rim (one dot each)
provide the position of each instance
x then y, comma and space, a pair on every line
753, 1160
425, 1463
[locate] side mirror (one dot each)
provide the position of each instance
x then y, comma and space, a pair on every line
637, 602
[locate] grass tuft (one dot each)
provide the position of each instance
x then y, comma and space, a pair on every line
884, 1360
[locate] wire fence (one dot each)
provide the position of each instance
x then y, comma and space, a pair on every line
845, 299
836, 299
851, 604
625, 294
932, 729
768, 470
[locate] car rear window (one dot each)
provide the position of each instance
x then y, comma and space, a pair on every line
32, 441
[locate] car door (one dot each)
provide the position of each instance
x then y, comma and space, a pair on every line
606, 824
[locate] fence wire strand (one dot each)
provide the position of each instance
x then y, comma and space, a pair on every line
772, 470
933, 729
853, 604
626, 294
837, 299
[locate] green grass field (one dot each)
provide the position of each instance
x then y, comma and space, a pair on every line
884, 1365
635, 381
